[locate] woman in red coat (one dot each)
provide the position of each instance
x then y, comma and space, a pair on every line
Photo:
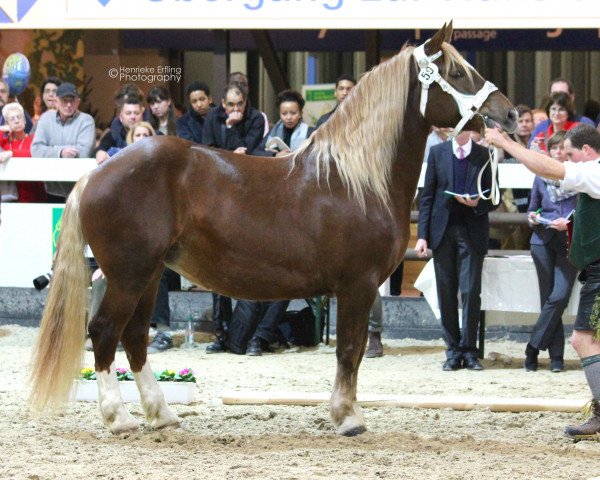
15, 140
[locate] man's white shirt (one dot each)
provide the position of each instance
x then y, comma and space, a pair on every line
583, 177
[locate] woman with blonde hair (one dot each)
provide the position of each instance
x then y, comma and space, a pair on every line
139, 131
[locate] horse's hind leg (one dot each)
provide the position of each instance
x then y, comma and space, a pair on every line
135, 341
352, 326
105, 330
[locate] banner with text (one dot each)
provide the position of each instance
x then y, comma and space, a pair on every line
298, 14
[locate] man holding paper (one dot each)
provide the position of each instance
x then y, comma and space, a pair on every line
454, 223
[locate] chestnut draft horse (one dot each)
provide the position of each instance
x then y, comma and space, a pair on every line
330, 219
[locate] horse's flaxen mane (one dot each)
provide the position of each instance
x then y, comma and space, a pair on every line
362, 135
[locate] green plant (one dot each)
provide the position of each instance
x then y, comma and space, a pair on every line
124, 374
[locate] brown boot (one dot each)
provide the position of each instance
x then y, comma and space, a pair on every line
589, 429
375, 348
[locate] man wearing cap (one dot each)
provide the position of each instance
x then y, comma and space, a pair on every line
65, 133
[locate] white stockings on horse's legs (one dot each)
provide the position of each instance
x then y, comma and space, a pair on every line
114, 414
158, 413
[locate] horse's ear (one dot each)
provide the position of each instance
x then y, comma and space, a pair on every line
444, 34
449, 29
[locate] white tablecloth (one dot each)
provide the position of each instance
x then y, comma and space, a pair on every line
508, 284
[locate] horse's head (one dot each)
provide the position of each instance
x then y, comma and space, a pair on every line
453, 93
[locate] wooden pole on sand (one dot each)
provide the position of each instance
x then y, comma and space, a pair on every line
455, 402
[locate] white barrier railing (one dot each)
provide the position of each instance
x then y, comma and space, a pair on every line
28, 230
46, 169
510, 175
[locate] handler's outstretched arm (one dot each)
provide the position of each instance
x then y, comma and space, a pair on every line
538, 163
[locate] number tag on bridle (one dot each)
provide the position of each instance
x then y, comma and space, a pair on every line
428, 74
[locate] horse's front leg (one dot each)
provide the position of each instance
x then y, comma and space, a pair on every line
352, 326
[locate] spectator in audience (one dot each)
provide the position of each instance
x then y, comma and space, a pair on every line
234, 126
4, 100
343, 86
162, 114
290, 128
237, 127
560, 85
16, 143
241, 80
139, 131
456, 228
66, 133
556, 275
190, 125
520, 196
48, 89
561, 111
130, 113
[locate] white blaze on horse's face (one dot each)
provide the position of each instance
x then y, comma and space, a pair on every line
468, 105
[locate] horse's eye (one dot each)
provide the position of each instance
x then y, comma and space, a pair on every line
456, 74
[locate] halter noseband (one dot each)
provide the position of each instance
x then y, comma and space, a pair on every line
468, 105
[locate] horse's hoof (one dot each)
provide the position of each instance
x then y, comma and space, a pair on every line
351, 427
125, 428
353, 432
167, 423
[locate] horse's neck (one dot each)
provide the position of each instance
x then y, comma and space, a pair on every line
409, 161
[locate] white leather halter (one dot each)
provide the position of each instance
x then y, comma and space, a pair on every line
468, 105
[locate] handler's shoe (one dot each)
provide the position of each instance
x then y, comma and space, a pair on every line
375, 348
162, 341
589, 429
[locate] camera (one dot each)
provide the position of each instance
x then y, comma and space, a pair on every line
42, 281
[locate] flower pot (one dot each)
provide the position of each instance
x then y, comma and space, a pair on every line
174, 392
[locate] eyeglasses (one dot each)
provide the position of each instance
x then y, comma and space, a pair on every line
240, 105
558, 110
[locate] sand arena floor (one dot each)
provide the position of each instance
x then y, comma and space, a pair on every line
216, 441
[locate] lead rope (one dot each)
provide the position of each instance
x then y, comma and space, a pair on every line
492, 161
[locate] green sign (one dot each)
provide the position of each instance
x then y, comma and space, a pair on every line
320, 95
56, 223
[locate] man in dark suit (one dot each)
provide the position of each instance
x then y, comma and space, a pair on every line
456, 228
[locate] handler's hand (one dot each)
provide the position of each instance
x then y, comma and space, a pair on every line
494, 137
421, 248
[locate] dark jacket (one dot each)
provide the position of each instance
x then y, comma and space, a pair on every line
323, 118
116, 137
248, 133
190, 126
434, 211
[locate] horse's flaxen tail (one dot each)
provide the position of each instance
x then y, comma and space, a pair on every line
58, 353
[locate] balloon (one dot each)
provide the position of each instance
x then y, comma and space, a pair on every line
16, 73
